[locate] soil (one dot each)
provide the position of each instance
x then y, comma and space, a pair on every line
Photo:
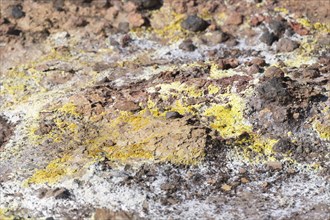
148, 109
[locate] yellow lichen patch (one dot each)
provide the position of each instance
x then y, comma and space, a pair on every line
217, 73
131, 152
183, 109
53, 172
69, 108
57, 55
322, 27
228, 117
213, 89
323, 129
220, 18
304, 22
20, 83
178, 89
256, 149
282, 10
263, 145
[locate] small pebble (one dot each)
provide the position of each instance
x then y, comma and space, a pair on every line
187, 45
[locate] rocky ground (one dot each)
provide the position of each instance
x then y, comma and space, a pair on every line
174, 109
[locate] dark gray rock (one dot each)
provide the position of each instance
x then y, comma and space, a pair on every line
268, 38
194, 23
17, 12
148, 4
277, 27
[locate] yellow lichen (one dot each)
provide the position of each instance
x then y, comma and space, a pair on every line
257, 149
134, 151
177, 88
322, 27
213, 89
228, 118
217, 73
304, 22
220, 18
323, 130
282, 10
53, 172
20, 83
69, 108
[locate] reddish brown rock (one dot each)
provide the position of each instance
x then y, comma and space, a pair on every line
234, 19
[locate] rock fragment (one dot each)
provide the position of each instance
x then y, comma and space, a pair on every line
148, 4
268, 38
226, 187
187, 45
216, 37
127, 106
274, 72
106, 214
173, 115
274, 165
194, 23
253, 69
123, 27
17, 12
234, 19
286, 45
